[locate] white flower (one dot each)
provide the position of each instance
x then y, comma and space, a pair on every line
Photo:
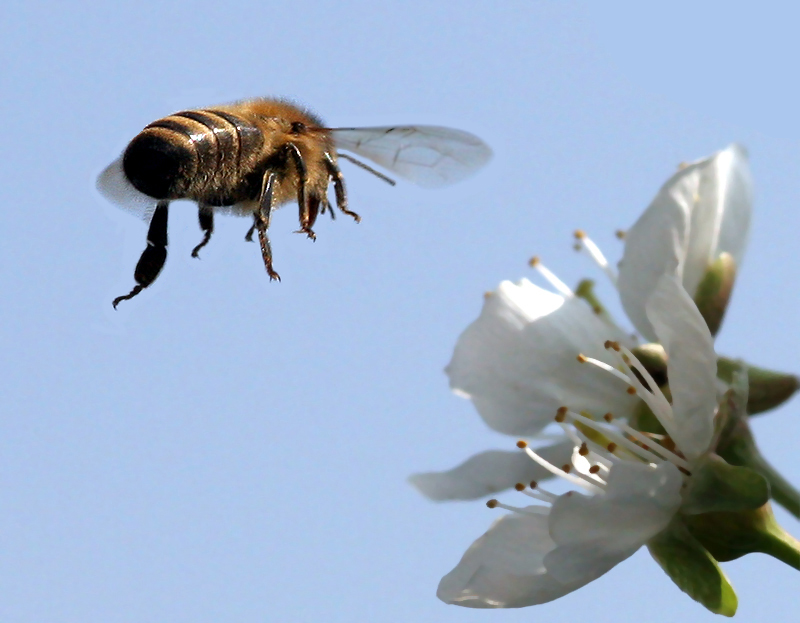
542, 552
700, 213
517, 363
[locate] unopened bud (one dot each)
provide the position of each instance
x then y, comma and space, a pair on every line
714, 291
767, 388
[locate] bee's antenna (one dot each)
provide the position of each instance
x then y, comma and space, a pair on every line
366, 167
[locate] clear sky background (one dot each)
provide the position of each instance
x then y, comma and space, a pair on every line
223, 448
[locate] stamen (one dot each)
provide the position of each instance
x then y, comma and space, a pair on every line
558, 472
655, 399
618, 438
648, 444
531, 510
604, 366
620, 234
554, 281
542, 496
578, 437
594, 252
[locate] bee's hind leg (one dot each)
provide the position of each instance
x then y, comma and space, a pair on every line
153, 257
338, 186
205, 215
266, 204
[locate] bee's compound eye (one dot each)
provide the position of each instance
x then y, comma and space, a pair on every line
298, 127
157, 166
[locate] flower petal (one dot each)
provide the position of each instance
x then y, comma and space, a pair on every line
504, 568
594, 533
720, 220
517, 361
701, 211
691, 364
488, 472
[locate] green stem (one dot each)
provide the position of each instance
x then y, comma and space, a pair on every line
784, 547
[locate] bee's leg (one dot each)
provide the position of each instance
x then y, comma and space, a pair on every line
313, 209
266, 204
302, 199
249, 235
338, 187
153, 257
206, 217
325, 207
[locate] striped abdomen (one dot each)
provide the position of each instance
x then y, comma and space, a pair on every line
204, 155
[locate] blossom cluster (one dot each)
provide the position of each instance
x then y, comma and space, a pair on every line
651, 429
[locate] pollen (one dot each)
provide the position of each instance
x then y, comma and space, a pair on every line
522, 444
492, 504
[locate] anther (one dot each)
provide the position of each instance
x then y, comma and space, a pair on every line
582, 358
607, 344
534, 261
611, 447
608, 417
594, 469
522, 444
620, 234
533, 484
584, 449
631, 390
492, 503
579, 234
488, 295
615, 346
519, 486
566, 468
561, 414
597, 310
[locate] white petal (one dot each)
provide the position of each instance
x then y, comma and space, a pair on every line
720, 220
700, 212
691, 364
594, 533
504, 568
488, 472
517, 361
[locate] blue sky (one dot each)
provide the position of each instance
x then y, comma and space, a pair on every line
225, 448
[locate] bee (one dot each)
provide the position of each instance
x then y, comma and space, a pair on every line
250, 157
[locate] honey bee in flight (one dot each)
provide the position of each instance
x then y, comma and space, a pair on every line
250, 157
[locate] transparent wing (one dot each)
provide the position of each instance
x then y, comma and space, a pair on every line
115, 187
427, 155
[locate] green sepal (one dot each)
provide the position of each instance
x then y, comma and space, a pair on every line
767, 388
728, 536
693, 568
716, 486
714, 291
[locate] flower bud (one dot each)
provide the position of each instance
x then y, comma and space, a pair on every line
714, 290
767, 388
